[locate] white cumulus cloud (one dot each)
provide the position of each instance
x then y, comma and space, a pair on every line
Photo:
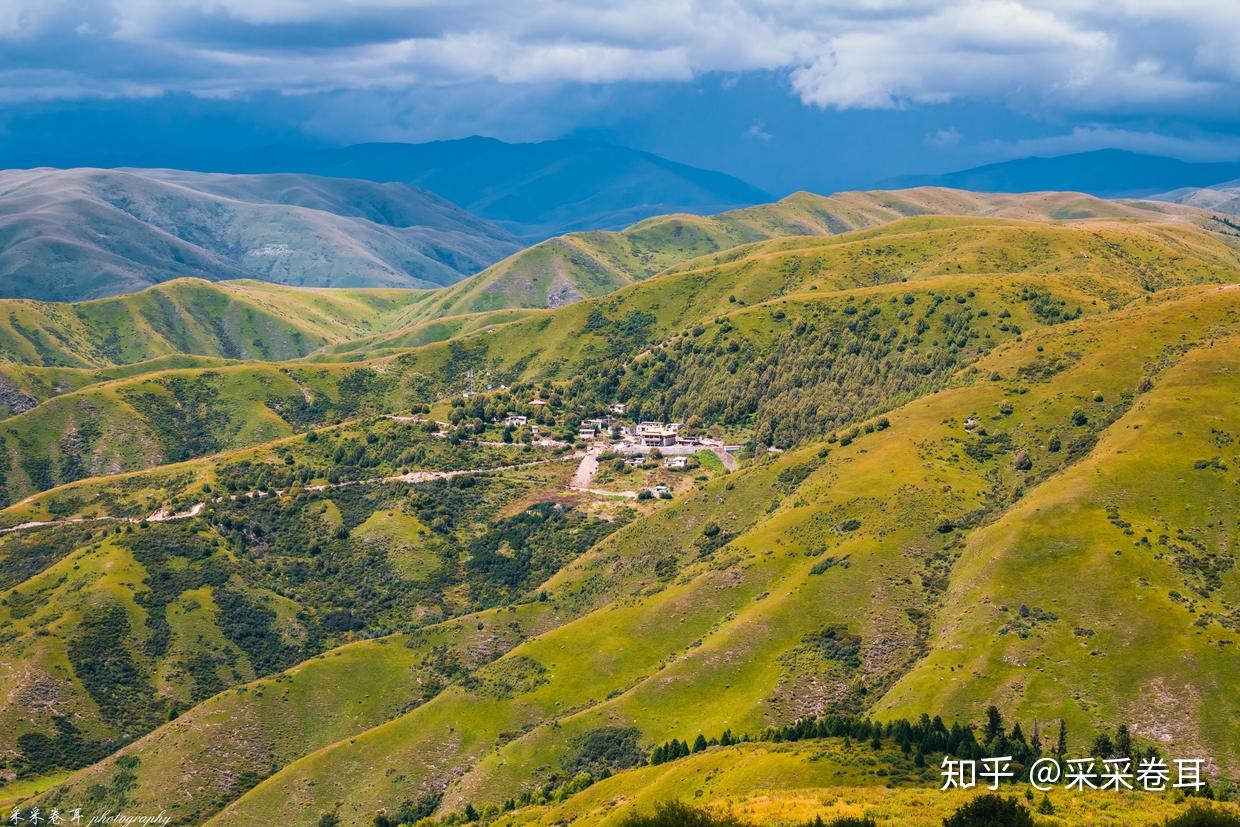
1074, 55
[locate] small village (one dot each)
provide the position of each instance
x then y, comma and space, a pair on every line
612, 444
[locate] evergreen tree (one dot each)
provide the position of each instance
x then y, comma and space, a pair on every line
699, 743
994, 723
1061, 744
1123, 742
1103, 747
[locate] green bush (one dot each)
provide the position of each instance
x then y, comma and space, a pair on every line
679, 814
842, 821
1204, 815
990, 810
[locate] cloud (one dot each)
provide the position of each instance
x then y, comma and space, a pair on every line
757, 131
942, 138
1093, 56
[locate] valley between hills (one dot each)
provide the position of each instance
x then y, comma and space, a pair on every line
495, 551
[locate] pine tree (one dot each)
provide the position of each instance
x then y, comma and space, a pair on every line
1103, 747
994, 723
1123, 742
699, 743
1061, 745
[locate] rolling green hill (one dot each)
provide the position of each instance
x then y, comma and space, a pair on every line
47, 349
687, 637
948, 424
569, 268
1036, 273
114, 627
234, 320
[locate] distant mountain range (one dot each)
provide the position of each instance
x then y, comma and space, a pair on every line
1220, 198
534, 190
84, 233
1105, 172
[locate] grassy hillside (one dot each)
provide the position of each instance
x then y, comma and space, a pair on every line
113, 627
655, 630
744, 656
948, 424
235, 320
819, 778
580, 265
80, 233
941, 292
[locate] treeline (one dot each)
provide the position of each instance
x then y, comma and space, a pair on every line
600, 753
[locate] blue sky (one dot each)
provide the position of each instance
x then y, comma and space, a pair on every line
792, 94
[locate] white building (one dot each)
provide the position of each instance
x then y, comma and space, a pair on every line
658, 438
675, 463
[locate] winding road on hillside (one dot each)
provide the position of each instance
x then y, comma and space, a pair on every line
584, 475
163, 515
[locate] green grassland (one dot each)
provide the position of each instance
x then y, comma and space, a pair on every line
1039, 273
563, 270
795, 783
722, 637
236, 319
970, 417
253, 584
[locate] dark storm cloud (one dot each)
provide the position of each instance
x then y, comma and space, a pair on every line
1086, 56
1154, 75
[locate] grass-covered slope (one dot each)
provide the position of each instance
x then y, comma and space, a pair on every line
243, 319
1149, 521
784, 302
80, 233
977, 414
795, 783
112, 627
732, 636
569, 268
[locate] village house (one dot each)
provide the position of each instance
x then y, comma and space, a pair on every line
515, 420
658, 438
661, 490
676, 463
635, 462
619, 408
655, 434
586, 433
